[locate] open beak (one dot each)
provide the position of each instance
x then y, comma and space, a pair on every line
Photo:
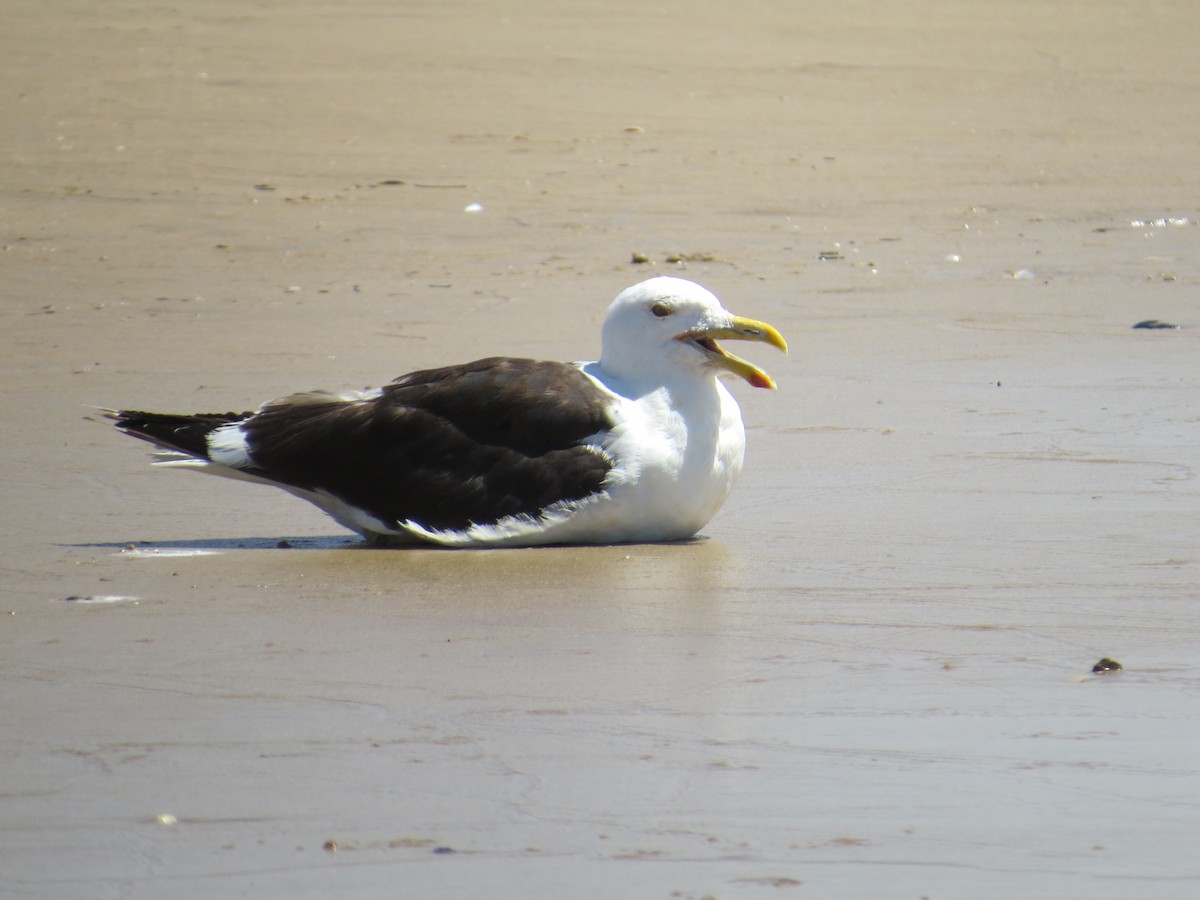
737, 329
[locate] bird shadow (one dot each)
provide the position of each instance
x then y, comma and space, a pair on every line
308, 542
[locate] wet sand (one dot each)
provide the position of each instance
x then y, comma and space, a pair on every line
871, 677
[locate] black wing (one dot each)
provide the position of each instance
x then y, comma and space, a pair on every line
185, 433
443, 447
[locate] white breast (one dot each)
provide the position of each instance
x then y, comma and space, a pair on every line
676, 453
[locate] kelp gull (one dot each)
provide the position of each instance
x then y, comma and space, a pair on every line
643, 445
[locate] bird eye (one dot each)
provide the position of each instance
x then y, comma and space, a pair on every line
662, 310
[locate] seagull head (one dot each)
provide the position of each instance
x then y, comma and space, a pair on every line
669, 325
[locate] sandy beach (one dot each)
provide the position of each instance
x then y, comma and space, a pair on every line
872, 674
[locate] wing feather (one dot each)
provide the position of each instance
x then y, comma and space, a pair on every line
443, 447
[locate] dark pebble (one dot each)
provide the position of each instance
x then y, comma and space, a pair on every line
1107, 665
442, 851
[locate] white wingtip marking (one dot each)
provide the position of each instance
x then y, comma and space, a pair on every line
227, 447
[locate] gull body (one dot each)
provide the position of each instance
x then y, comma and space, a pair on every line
643, 444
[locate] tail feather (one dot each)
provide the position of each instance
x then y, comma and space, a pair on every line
184, 433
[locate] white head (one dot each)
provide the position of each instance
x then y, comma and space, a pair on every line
666, 327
